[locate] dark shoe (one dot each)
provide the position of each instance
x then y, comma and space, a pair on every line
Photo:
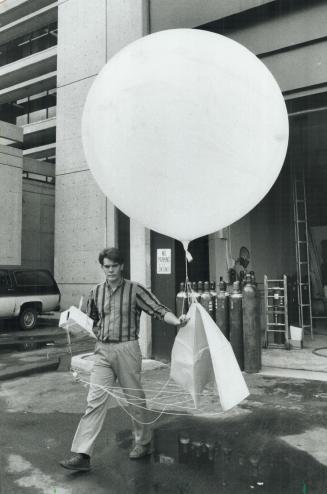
76, 462
140, 450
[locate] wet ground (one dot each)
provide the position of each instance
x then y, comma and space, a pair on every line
274, 442
41, 349
46, 332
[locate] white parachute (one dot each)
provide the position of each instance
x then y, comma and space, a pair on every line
201, 352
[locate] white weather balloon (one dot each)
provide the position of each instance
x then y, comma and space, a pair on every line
185, 131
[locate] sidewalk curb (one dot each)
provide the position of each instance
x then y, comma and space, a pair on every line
308, 375
28, 369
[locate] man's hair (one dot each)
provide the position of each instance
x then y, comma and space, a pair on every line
111, 253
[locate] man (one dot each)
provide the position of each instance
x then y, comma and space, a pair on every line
116, 306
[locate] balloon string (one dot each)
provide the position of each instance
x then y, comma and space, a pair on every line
188, 287
187, 282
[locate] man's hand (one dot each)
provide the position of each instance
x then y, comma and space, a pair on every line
170, 318
183, 320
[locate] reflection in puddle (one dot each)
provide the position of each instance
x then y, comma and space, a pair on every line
207, 454
253, 457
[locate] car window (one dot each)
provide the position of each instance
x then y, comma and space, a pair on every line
4, 280
33, 278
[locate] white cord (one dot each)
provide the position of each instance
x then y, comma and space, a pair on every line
119, 400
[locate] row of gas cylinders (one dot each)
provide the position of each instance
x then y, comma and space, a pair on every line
235, 310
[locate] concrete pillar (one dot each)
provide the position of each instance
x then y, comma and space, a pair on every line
141, 272
128, 20
11, 166
85, 218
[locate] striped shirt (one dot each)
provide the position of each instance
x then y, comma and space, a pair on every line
117, 311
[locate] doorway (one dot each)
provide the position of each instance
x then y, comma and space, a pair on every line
167, 271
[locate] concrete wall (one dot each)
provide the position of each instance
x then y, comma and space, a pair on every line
11, 165
319, 233
290, 42
80, 206
10, 206
38, 224
172, 14
283, 29
272, 237
292, 45
85, 218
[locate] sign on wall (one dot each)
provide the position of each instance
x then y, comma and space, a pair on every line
163, 261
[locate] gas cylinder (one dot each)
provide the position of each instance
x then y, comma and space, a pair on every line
253, 278
222, 311
242, 278
200, 287
236, 326
231, 276
214, 298
251, 329
181, 300
206, 299
195, 290
222, 284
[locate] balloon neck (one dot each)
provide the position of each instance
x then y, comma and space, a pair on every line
187, 253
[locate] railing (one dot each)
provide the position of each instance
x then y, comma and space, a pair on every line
29, 44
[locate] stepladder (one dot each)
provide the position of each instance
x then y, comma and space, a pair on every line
276, 313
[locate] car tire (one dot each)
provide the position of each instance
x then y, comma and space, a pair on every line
28, 318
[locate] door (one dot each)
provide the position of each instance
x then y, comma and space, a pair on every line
163, 286
167, 271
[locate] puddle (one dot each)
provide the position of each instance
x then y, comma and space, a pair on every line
243, 455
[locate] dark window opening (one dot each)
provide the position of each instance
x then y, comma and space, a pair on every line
4, 280
29, 44
33, 278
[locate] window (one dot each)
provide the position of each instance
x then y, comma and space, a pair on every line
33, 278
36, 107
4, 281
26, 45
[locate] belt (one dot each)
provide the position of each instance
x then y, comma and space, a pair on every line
116, 341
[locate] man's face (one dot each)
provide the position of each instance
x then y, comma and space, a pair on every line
112, 270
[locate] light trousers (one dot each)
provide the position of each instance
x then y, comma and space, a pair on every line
122, 361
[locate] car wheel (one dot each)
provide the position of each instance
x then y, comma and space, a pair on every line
28, 318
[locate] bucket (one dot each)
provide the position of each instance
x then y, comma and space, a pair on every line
296, 333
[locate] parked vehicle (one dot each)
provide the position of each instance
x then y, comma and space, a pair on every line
25, 293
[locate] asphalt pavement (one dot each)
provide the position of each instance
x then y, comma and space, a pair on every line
272, 443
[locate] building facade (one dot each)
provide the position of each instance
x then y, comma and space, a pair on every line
44, 90
28, 60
